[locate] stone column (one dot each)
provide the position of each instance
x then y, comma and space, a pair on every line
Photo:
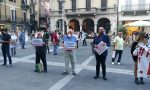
80, 28
67, 28
95, 28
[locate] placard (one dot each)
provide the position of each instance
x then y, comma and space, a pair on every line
37, 42
70, 45
101, 47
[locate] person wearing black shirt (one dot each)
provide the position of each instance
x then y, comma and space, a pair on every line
41, 54
101, 59
6, 40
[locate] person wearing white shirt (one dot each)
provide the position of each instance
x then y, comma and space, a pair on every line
118, 47
13, 44
77, 38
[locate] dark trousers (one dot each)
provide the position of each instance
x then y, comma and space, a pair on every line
77, 44
100, 59
84, 42
13, 51
47, 49
22, 44
41, 56
120, 55
5, 51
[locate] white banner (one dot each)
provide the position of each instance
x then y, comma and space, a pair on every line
37, 42
143, 61
101, 48
70, 45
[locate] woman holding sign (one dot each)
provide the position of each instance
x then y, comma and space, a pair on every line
135, 45
40, 47
103, 40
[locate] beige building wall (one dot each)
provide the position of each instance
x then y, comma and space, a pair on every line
109, 14
12, 6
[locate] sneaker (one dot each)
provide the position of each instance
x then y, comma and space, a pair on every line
65, 73
104, 78
45, 71
118, 63
112, 63
55, 54
141, 82
96, 77
35, 70
74, 73
137, 82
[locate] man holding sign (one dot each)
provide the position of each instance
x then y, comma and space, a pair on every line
69, 45
101, 43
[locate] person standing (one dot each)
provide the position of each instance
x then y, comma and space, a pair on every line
13, 43
101, 59
40, 54
46, 37
55, 42
84, 35
22, 39
77, 38
6, 40
69, 53
118, 47
141, 40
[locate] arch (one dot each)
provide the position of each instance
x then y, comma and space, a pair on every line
104, 22
74, 24
59, 26
88, 25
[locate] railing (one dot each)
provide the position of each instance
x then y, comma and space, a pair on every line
108, 10
135, 7
85, 11
81, 10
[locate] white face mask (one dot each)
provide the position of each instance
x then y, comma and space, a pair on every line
69, 35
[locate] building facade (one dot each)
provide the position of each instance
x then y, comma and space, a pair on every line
44, 14
83, 15
14, 14
133, 10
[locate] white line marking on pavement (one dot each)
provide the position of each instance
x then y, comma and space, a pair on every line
112, 70
61, 83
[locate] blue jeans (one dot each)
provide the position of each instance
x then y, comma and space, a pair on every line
6, 53
22, 44
55, 49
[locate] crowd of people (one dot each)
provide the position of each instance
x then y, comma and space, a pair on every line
70, 43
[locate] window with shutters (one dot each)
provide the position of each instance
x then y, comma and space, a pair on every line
103, 5
88, 5
74, 5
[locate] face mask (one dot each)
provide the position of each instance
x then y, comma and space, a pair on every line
69, 35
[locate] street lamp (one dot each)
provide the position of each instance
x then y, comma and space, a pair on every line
62, 15
117, 13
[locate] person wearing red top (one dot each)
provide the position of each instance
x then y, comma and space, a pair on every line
55, 42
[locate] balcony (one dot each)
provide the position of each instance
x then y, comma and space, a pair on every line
81, 11
136, 9
85, 11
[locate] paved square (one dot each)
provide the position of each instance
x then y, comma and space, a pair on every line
21, 75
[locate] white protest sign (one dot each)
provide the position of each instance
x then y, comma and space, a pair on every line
143, 62
37, 42
101, 47
70, 45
